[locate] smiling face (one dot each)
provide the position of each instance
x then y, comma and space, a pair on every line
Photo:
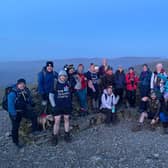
63, 78
49, 68
21, 86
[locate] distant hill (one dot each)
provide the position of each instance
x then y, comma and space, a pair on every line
11, 71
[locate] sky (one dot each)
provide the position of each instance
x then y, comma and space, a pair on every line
52, 29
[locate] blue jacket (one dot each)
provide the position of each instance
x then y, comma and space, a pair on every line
17, 102
46, 81
120, 80
145, 79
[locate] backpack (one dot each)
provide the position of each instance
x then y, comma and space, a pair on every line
8, 90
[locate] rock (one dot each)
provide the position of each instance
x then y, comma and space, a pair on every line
156, 155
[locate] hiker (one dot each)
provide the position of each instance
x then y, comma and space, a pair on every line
62, 104
103, 68
46, 79
144, 81
157, 84
120, 83
72, 78
108, 105
131, 87
93, 87
108, 79
81, 90
20, 105
151, 110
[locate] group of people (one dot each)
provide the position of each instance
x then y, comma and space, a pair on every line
98, 90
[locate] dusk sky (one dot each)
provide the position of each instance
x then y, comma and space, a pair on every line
41, 29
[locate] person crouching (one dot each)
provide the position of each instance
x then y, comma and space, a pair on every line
151, 110
108, 103
62, 104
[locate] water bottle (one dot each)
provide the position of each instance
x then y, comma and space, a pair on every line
113, 109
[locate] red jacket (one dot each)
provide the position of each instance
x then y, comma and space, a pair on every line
83, 81
131, 81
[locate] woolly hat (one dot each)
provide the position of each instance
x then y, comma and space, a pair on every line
62, 73
49, 63
21, 80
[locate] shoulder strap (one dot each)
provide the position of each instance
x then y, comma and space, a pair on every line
105, 96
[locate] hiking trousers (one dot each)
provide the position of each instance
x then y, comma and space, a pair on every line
16, 123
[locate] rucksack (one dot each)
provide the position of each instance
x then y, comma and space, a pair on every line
8, 90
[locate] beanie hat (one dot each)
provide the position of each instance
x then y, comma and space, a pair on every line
21, 80
49, 63
62, 73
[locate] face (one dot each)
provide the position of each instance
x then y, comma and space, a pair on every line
21, 86
71, 71
109, 91
49, 68
109, 72
159, 67
131, 71
92, 68
80, 69
120, 69
63, 78
145, 68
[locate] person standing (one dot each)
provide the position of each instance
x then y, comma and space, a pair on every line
20, 106
131, 86
62, 105
46, 79
120, 83
144, 81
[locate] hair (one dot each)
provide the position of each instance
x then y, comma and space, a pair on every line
145, 65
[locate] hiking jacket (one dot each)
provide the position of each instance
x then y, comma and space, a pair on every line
156, 82
46, 81
131, 81
145, 78
18, 100
107, 101
119, 80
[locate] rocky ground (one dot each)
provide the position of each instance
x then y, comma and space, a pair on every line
97, 147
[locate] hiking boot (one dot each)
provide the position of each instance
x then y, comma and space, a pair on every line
55, 140
137, 128
67, 137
